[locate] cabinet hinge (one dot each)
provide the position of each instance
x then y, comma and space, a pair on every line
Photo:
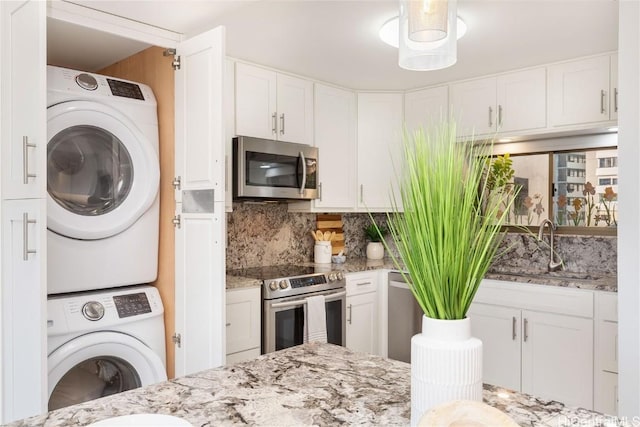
177, 182
177, 339
176, 221
176, 58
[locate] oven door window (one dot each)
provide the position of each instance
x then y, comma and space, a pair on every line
275, 170
290, 325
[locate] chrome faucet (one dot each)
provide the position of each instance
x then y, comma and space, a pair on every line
553, 264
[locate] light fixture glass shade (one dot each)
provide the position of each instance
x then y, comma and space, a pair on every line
427, 20
427, 55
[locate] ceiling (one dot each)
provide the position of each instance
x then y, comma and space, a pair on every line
336, 41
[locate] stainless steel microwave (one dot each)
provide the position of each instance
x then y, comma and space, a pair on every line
273, 170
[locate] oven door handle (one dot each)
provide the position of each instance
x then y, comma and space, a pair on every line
302, 302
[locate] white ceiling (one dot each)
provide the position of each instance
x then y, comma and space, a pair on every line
336, 41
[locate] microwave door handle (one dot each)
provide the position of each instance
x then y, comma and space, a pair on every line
304, 173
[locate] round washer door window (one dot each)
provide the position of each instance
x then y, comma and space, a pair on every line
102, 172
99, 364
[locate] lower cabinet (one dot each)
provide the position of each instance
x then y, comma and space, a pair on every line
243, 326
605, 398
362, 312
536, 339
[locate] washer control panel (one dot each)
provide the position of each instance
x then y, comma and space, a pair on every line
132, 304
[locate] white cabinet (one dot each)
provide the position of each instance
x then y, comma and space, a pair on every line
426, 107
229, 112
512, 102
380, 149
243, 325
579, 92
605, 397
23, 352
362, 312
536, 339
271, 105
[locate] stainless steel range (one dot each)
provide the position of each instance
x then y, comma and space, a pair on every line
284, 292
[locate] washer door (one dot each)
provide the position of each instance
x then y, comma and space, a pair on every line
100, 364
102, 172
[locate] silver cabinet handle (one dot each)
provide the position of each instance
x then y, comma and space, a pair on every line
227, 324
526, 330
350, 313
513, 328
603, 94
282, 124
363, 283
274, 123
320, 191
615, 100
361, 193
25, 236
499, 115
304, 172
25, 160
490, 116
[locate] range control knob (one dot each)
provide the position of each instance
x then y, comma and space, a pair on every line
283, 284
87, 81
93, 311
332, 277
340, 275
273, 285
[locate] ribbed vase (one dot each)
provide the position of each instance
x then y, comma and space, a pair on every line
446, 364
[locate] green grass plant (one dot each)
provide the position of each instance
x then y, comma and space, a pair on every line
448, 226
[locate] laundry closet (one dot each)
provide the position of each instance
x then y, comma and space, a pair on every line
191, 289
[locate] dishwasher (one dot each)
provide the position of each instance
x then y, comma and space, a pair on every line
405, 318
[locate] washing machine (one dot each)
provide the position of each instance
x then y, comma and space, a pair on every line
102, 182
103, 342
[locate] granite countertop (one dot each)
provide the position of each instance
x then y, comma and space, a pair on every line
312, 384
594, 282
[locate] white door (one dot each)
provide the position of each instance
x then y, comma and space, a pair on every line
256, 113
295, 110
474, 105
23, 88
522, 100
499, 330
362, 323
199, 257
23, 369
557, 357
425, 108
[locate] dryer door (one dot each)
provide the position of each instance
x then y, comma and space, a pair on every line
102, 172
100, 364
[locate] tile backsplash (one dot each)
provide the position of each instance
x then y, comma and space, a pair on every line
267, 234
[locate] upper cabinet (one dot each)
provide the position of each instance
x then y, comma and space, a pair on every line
425, 107
511, 102
580, 92
271, 105
379, 148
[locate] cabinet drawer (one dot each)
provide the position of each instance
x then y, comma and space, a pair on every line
608, 306
360, 283
608, 336
243, 319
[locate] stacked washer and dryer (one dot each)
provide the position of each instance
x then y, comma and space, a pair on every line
105, 330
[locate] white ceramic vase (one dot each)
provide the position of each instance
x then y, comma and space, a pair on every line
375, 250
446, 364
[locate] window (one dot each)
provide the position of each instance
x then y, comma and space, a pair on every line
608, 162
604, 181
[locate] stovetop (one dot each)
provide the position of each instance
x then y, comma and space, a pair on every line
274, 271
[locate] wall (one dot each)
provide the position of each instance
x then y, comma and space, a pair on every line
267, 234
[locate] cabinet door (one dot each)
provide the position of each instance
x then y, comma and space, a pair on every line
295, 109
522, 100
613, 89
243, 319
557, 358
424, 108
474, 105
256, 113
229, 132
335, 137
23, 88
380, 149
499, 330
23, 308
605, 397
579, 91
362, 323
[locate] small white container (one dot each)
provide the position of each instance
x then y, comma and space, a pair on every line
322, 252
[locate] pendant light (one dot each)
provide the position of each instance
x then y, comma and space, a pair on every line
427, 34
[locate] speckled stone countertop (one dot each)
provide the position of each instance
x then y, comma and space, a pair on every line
594, 282
312, 384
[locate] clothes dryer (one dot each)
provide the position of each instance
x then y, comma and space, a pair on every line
103, 342
102, 182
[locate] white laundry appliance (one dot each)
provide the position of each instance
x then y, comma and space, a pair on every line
102, 182
103, 342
